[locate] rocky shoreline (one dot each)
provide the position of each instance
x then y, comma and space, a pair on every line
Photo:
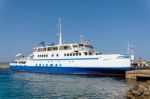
140, 91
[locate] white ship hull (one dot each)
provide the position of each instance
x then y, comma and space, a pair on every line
101, 65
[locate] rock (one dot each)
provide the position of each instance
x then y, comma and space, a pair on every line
139, 91
142, 88
148, 82
149, 88
136, 92
146, 93
130, 97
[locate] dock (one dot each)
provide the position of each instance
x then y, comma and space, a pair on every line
143, 74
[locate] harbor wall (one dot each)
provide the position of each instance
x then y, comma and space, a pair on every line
133, 74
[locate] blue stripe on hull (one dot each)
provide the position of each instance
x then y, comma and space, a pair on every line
71, 70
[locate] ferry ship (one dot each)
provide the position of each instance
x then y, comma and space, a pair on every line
72, 58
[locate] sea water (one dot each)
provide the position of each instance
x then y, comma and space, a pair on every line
24, 85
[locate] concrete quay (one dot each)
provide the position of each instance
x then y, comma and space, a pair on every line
143, 74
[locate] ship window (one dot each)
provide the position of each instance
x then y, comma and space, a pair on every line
39, 64
46, 65
49, 49
90, 53
85, 53
80, 45
42, 56
52, 55
75, 46
41, 49
67, 54
56, 65
97, 53
70, 54
79, 54
52, 48
51, 65
74, 54
64, 47
57, 55
88, 46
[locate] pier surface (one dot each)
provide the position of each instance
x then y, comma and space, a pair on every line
138, 74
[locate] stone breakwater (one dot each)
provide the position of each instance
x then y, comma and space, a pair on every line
140, 91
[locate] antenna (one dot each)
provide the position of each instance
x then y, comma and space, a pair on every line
81, 38
130, 49
131, 52
60, 33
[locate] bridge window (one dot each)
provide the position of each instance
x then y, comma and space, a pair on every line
41, 49
80, 45
52, 48
64, 47
75, 46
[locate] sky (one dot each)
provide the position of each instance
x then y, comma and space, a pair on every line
108, 24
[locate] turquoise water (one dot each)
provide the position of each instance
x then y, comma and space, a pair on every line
23, 85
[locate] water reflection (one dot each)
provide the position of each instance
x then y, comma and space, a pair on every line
34, 85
